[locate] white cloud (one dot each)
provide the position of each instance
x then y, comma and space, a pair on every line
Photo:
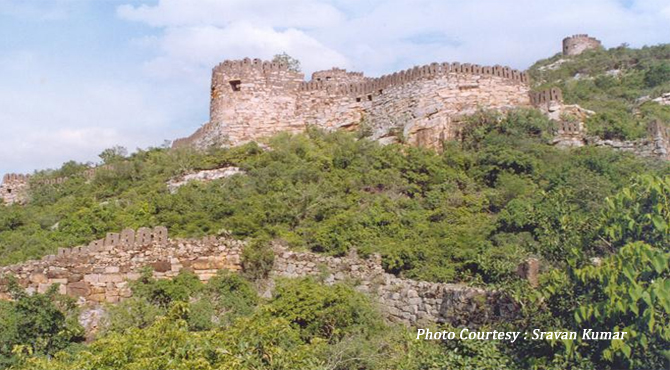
188, 50
382, 36
47, 121
51, 111
283, 14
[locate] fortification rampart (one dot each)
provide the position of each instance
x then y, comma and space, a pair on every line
572, 133
547, 96
252, 99
577, 44
100, 272
14, 187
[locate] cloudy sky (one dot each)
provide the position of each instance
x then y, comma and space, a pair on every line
79, 76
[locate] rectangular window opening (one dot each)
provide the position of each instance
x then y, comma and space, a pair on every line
358, 100
370, 97
236, 85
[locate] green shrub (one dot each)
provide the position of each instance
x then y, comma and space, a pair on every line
319, 311
257, 259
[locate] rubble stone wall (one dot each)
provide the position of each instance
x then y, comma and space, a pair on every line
656, 145
403, 300
577, 44
100, 273
14, 187
252, 99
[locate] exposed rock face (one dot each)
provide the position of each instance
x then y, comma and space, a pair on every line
254, 99
100, 273
577, 44
663, 99
202, 176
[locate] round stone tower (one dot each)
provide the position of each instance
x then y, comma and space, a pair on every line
577, 44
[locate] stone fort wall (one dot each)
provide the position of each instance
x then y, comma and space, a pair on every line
100, 272
577, 44
655, 145
14, 187
253, 98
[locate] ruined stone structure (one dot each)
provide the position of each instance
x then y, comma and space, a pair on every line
251, 99
14, 187
656, 145
100, 273
577, 44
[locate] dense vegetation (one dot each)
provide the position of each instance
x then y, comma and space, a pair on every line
471, 213
599, 220
617, 84
183, 324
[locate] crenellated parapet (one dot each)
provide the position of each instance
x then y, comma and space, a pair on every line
377, 85
101, 272
14, 187
251, 98
539, 98
337, 76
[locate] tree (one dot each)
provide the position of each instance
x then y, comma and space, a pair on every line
113, 154
657, 75
292, 63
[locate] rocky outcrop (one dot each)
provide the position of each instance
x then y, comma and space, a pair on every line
663, 99
202, 176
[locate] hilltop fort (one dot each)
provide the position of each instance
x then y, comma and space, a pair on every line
253, 98
577, 44
422, 106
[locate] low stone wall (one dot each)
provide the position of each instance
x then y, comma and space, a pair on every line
649, 147
403, 300
100, 273
14, 187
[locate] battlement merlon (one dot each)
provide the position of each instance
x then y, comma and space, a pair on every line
251, 98
250, 74
15, 178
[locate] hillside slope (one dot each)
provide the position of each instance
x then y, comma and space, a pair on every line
598, 220
619, 84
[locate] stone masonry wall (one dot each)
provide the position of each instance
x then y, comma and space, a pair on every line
656, 145
403, 300
14, 187
100, 273
252, 99
577, 44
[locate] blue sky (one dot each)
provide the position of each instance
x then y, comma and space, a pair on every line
79, 76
